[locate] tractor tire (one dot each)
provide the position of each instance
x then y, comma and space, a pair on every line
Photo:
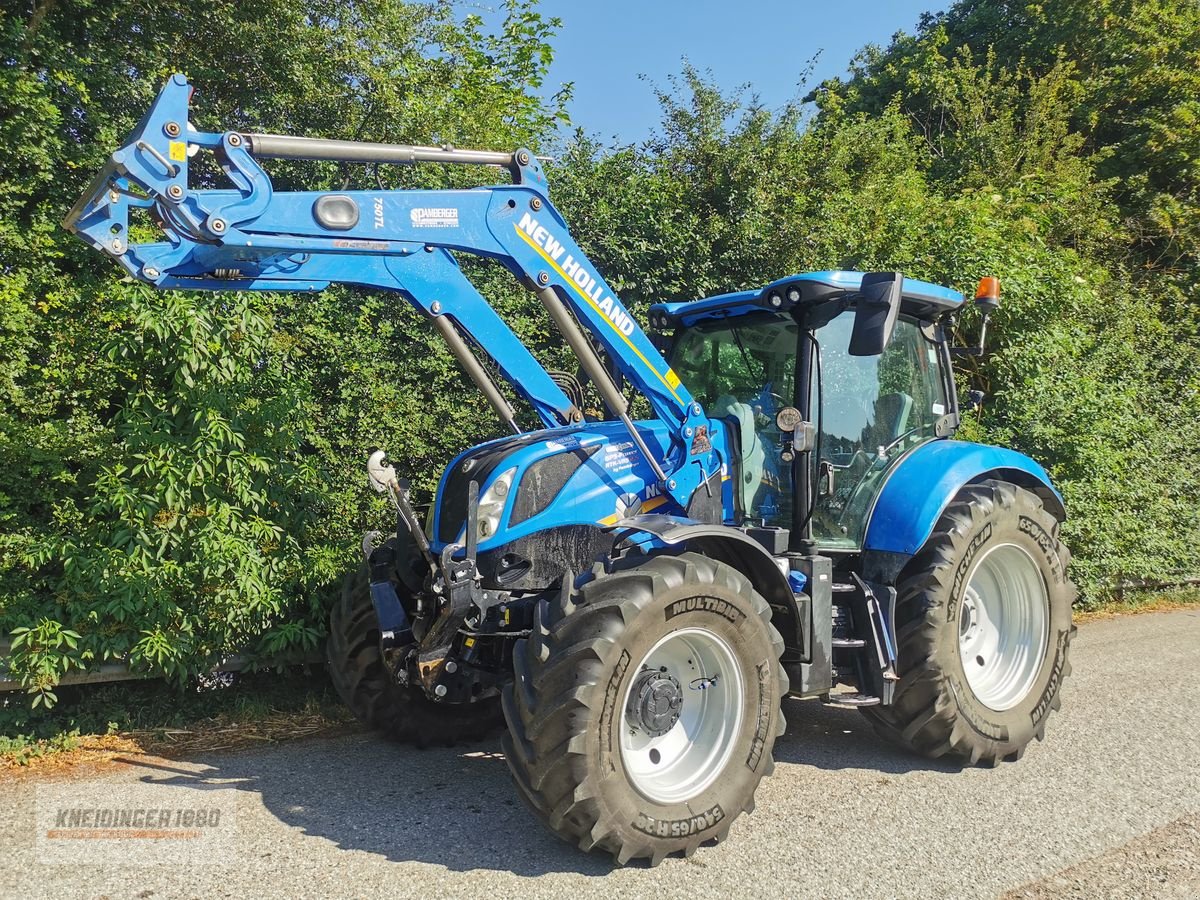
638, 760
983, 628
366, 685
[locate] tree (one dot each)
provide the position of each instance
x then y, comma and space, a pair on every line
1134, 66
165, 539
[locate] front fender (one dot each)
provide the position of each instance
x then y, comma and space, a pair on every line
922, 485
724, 544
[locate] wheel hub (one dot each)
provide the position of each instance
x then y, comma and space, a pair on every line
655, 700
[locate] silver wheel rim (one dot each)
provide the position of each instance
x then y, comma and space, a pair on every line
1003, 624
676, 766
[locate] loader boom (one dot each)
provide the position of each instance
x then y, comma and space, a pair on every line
256, 238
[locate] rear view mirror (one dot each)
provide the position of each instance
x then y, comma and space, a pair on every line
876, 308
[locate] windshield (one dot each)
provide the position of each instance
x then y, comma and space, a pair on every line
744, 372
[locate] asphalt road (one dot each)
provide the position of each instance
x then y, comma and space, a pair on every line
1109, 805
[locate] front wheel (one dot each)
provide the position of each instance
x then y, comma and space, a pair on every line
645, 707
983, 622
366, 684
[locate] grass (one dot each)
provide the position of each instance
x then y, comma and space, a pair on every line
1140, 602
23, 749
162, 719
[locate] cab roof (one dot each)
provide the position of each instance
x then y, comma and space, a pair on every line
918, 298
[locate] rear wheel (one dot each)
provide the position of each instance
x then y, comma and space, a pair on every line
983, 622
367, 686
645, 706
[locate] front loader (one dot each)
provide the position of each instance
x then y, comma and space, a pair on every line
636, 598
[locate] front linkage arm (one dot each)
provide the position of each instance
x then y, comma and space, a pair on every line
255, 238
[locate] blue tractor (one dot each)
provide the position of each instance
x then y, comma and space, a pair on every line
635, 599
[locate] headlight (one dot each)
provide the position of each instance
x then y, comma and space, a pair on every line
491, 504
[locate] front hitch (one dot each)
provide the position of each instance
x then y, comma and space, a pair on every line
429, 655
457, 587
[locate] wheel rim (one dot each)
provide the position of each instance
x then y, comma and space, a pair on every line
1002, 626
699, 669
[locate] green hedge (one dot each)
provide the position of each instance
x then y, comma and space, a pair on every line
181, 475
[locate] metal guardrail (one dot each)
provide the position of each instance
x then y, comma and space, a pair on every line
119, 671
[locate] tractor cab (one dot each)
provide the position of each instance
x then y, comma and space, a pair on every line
817, 363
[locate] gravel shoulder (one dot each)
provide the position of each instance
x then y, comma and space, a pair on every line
1163, 864
1108, 805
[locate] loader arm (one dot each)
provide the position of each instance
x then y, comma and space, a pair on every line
256, 238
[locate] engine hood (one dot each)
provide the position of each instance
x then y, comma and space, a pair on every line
590, 474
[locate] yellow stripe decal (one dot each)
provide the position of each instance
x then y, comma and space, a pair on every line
592, 303
652, 503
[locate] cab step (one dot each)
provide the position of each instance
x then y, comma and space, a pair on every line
863, 623
853, 701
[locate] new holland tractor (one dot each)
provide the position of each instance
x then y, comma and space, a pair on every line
635, 599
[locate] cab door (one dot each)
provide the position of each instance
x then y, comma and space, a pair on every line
869, 411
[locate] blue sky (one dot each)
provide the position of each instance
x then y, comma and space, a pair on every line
605, 45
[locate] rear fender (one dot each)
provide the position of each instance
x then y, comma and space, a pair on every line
727, 545
925, 482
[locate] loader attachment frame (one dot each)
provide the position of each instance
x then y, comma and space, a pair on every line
253, 237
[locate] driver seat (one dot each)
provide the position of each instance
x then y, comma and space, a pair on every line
892, 412
748, 474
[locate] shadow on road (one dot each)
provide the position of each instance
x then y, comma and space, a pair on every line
827, 737
447, 807
456, 807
